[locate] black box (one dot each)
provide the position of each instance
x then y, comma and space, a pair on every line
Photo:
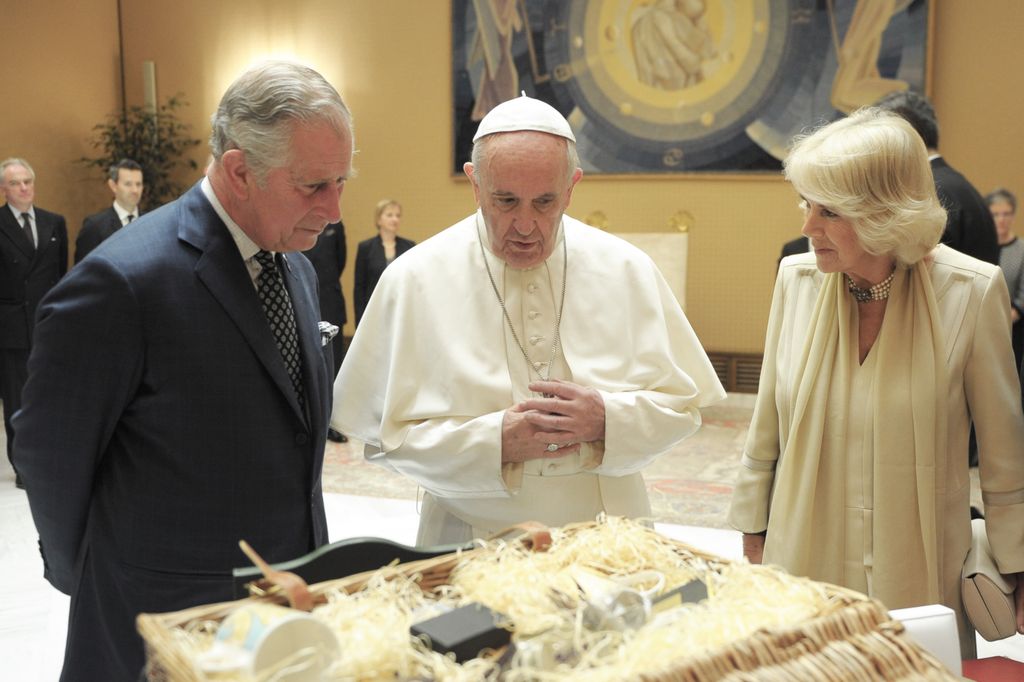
464, 631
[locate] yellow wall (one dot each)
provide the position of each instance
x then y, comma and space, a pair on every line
58, 80
390, 60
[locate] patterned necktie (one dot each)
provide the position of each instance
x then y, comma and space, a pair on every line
278, 308
27, 225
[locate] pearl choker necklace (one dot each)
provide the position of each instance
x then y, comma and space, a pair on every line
878, 292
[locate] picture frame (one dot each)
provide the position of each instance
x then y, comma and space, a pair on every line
655, 87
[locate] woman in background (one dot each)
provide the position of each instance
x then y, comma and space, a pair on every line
882, 346
1003, 206
376, 253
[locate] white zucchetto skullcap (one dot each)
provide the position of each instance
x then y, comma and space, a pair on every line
524, 113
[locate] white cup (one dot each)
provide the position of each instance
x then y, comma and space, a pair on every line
648, 583
265, 639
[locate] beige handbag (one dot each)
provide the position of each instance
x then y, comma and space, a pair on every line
987, 594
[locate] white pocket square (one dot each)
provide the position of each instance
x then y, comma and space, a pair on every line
327, 332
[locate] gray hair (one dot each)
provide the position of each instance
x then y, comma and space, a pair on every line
15, 161
872, 169
480, 155
258, 112
1004, 195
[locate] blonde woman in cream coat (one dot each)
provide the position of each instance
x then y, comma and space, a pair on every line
882, 346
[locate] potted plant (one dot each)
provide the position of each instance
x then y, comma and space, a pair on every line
157, 140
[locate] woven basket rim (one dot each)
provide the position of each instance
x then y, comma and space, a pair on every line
849, 612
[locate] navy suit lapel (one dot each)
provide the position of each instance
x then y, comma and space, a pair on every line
222, 270
307, 319
113, 221
44, 231
10, 228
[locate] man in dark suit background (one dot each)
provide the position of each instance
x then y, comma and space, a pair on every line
125, 181
33, 256
969, 225
179, 392
328, 258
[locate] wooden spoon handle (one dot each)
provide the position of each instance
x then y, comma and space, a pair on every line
294, 587
256, 559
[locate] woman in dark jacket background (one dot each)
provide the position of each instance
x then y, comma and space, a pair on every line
376, 253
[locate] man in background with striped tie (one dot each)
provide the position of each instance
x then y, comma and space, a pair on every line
33, 256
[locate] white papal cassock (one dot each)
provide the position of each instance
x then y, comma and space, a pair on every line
433, 367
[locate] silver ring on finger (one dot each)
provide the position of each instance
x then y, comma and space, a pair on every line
552, 447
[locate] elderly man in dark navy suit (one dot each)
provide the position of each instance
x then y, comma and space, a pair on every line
179, 388
33, 256
125, 181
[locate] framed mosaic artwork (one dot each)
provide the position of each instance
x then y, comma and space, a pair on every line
684, 86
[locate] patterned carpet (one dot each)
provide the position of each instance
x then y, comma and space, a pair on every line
690, 485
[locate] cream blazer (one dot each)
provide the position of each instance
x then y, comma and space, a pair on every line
973, 303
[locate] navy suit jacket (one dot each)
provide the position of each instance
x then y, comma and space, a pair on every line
95, 229
27, 273
328, 257
159, 427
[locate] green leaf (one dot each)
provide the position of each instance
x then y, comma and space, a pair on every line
158, 141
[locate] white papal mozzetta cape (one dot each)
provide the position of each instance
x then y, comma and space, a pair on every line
433, 367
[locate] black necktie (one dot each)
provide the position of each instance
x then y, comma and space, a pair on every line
278, 308
128, 219
27, 224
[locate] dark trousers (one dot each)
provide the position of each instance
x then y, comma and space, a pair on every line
13, 374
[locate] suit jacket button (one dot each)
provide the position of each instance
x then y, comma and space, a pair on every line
301, 439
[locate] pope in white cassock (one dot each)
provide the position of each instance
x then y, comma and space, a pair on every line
521, 365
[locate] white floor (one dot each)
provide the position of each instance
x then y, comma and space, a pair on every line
33, 616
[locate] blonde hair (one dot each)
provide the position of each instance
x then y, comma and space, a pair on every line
381, 205
872, 169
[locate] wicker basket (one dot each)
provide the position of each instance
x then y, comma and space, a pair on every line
852, 638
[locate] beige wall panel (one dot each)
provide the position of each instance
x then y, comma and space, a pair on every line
390, 59
976, 86
60, 78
